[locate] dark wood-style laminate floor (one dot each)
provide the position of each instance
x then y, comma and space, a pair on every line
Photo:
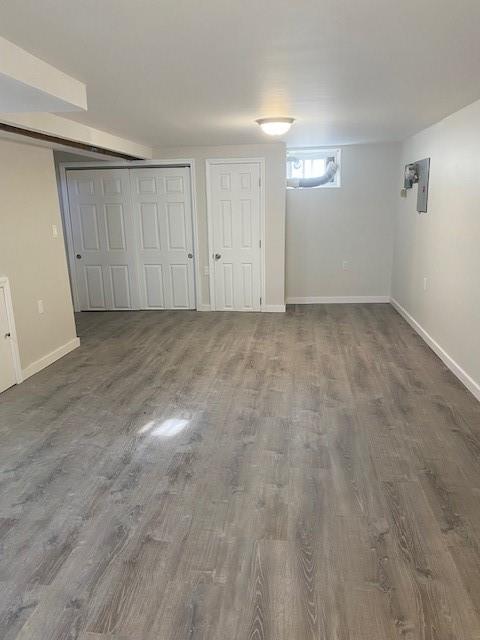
202, 476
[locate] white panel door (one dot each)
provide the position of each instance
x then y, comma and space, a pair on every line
7, 368
235, 224
104, 239
163, 218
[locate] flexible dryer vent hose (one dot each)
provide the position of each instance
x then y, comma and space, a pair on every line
317, 181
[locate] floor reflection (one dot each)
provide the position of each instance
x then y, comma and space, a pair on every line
166, 429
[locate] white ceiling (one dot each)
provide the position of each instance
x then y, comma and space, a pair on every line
184, 72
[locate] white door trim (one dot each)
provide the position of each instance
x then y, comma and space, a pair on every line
5, 285
211, 270
123, 164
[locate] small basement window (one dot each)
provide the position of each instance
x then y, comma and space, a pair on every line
305, 165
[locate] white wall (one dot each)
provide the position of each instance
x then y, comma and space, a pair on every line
30, 257
274, 155
443, 245
353, 223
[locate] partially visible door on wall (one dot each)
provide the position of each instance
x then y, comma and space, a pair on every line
132, 236
163, 219
234, 213
103, 238
7, 367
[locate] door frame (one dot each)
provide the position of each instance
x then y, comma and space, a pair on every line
5, 285
123, 164
209, 163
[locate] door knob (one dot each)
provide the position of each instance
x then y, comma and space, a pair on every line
79, 256
190, 255
218, 256
7, 335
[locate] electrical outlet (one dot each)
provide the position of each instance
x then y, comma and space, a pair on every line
206, 271
41, 308
425, 284
345, 265
54, 231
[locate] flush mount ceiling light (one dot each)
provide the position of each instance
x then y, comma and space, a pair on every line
275, 126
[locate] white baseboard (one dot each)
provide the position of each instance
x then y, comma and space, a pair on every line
268, 308
454, 367
338, 299
50, 358
273, 308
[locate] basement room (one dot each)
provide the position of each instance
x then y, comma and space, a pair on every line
239, 320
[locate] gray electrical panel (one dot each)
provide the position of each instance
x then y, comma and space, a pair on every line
418, 173
423, 172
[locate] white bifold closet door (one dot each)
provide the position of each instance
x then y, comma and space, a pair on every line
132, 237
162, 212
103, 238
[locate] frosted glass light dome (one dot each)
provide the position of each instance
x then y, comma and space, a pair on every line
275, 126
